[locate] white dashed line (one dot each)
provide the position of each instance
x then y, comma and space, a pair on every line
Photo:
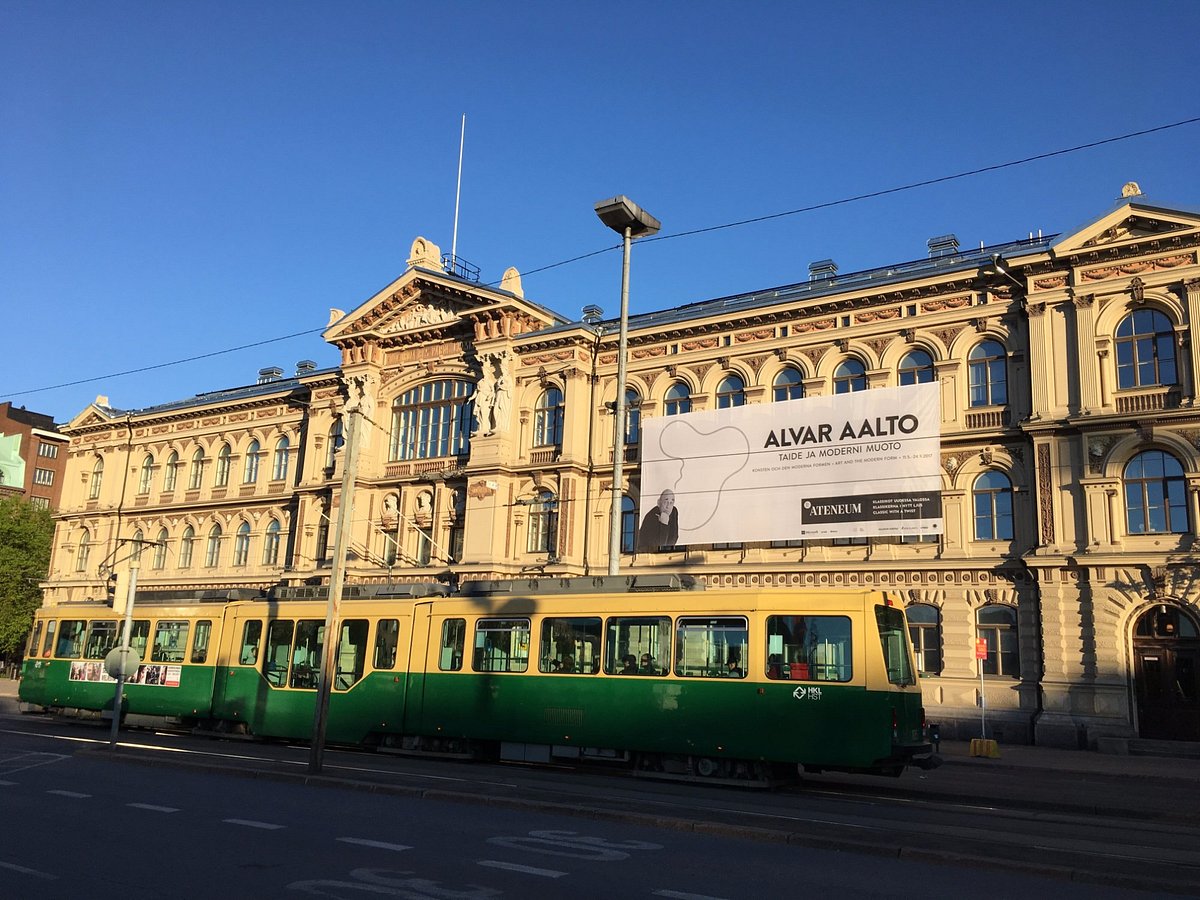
6, 783
250, 823
75, 794
153, 808
24, 871
680, 895
381, 845
513, 867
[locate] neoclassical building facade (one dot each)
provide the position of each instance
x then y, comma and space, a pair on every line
1070, 459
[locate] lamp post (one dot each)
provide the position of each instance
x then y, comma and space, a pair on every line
628, 219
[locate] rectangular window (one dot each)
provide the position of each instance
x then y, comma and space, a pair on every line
251, 636
809, 648
306, 654
101, 637
454, 632
279, 647
49, 645
70, 639
170, 641
387, 636
139, 636
200, 641
896, 648
638, 645
711, 648
50, 451
351, 654
40, 502
570, 646
501, 645
44, 477
35, 640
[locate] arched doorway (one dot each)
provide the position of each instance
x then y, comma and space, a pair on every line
1166, 659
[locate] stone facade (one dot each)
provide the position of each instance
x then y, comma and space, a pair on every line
486, 441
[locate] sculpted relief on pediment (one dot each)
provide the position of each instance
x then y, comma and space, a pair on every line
418, 315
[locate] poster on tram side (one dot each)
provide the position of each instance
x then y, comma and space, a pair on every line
849, 465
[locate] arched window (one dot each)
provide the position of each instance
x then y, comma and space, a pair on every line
335, 443
146, 476
997, 626
271, 544
1165, 621
731, 392
135, 551
992, 495
212, 552
1145, 350
241, 545
170, 471
250, 469
196, 473
160, 550
628, 524
431, 420
322, 549
221, 475
1155, 494
987, 375
279, 465
925, 629
85, 548
678, 400
187, 546
916, 368
97, 479
633, 416
788, 385
543, 524
548, 419
849, 376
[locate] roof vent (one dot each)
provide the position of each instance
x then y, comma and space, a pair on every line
822, 269
592, 314
305, 367
269, 374
944, 245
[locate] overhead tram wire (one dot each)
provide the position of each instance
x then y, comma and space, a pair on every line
870, 195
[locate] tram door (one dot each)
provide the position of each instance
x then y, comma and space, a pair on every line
1166, 653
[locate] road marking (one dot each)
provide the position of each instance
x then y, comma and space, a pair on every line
381, 845
152, 807
679, 895
38, 759
250, 823
7, 783
513, 867
75, 794
24, 871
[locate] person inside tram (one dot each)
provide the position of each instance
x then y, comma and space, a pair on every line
568, 664
647, 667
631, 667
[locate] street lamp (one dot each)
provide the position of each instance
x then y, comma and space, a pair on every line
628, 219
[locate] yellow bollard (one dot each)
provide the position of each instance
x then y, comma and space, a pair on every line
985, 747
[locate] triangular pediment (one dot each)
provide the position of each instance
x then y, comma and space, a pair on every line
91, 415
1128, 223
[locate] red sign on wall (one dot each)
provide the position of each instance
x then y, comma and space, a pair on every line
981, 648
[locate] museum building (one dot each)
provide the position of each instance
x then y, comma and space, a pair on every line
1069, 459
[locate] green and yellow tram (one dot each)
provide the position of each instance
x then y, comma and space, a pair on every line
670, 679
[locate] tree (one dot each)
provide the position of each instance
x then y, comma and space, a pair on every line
26, 532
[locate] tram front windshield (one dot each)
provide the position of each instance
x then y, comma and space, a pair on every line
894, 637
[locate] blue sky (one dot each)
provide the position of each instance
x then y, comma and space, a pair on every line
180, 178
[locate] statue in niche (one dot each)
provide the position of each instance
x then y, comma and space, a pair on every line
389, 508
485, 399
424, 510
502, 403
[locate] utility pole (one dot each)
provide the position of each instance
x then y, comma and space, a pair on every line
337, 579
118, 698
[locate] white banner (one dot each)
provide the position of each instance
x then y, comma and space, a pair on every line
850, 465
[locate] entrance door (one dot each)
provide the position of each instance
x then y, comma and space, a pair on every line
1166, 652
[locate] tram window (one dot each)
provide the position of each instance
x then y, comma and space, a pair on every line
896, 648
711, 648
570, 646
251, 635
70, 639
502, 645
170, 641
35, 640
279, 646
387, 636
454, 638
139, 636
101, 637
306, 653
48, 646
200, 641
351, 654
638, 645
809, 648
